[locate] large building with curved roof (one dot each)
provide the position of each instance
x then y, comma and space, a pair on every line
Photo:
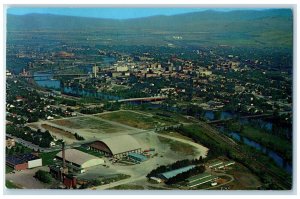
80, 159
117, 146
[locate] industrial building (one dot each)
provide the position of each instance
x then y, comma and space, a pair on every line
79, 159
170, 174
117, 146
137, 157
24, 161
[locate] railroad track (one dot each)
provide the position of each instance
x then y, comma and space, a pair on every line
281, 181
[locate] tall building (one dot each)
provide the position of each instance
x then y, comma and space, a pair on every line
95, 71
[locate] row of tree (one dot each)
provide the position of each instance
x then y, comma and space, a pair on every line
42, 139
183, 176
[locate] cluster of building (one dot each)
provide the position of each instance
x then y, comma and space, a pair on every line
23, 161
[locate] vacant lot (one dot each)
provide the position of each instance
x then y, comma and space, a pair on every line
25, 179
91, 127
244, 179
137, 120
179, 147
89, 123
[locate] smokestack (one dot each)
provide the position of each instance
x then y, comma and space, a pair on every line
63, 154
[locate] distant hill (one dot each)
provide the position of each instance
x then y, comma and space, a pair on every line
272, 27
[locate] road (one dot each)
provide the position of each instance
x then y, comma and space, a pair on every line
220, 185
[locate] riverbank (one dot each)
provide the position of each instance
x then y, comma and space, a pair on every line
265, 138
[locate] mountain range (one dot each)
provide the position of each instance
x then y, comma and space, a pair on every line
271, 27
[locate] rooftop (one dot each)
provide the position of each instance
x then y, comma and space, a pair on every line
76, 156
20, 159
170, 174
139, 156
202, 181
121, 144
198, 177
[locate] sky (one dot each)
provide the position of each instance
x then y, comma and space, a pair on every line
113, 13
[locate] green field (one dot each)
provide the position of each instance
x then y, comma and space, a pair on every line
128, 187
137, 120
274, 142
11, 185
47, 158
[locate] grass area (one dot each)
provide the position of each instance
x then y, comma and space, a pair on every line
89, 123
8, 169
94, 153
137, 120
11, 185
273, 142
176, 117
47, 158
128, 187
104, 180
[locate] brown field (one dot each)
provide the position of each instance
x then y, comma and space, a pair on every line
176, 134
58, 131
244, 179
67, 123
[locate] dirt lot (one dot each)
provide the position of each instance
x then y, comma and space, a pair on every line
58, 131
244, 179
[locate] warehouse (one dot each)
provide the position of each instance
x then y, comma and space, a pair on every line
24, 161
117, 146
170, 174
79, 159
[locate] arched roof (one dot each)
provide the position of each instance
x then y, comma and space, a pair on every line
121, 144
80, 158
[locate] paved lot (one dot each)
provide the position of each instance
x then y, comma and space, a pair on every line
26, 180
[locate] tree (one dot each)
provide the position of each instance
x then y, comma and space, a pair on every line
22, 150
17, 149
43, 176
